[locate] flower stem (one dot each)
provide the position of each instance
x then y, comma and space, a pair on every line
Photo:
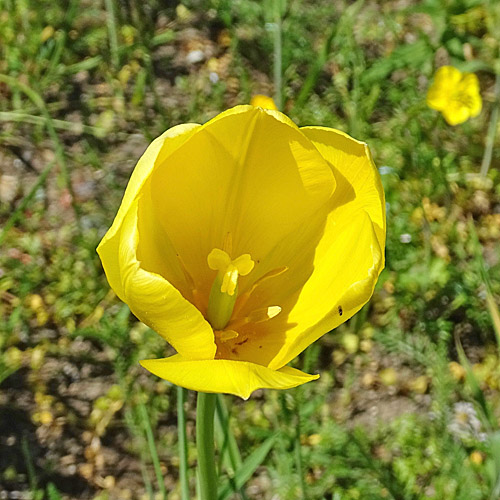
183, 449
205, 445
492, 128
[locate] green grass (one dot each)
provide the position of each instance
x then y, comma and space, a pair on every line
84, 86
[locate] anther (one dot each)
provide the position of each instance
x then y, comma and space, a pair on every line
265, 314
226, 335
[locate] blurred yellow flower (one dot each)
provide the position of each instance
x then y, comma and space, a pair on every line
455, 94
263, 101
242, 241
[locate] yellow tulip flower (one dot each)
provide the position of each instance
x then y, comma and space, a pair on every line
455, 94
242, 241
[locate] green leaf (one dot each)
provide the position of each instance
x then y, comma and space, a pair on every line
472, 66
53, 492
411, 56
245, 472
230, 454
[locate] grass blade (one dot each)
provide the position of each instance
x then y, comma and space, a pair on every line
183, 447
226, 442
152, 449
473, 383
53, 492
245, 472
230, 455
24, 203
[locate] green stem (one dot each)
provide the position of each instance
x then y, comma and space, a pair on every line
492, 128
298, 449
277, 55
205, 445
183, 449
112, 33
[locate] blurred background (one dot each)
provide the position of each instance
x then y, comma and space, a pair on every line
407, 406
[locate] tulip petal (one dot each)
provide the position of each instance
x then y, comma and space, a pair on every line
347, 264
350, 235
358, 200
240, 378
157, 303
157, 152
358, 181
250, 173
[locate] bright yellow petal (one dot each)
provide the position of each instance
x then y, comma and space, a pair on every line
469, 83
456, 112
447, 76
437, 98
223, 376
446, 81
357, 206
347, 264
156, 302
249, 173
470, 87
358, 181
475, 105
157, 152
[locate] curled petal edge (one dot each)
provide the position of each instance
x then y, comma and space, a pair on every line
157, 303
240, 378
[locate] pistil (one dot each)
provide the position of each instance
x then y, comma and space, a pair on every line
224, 290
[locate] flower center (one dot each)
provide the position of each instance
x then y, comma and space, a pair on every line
224, 290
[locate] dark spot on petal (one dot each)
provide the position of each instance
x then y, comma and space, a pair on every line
341, 311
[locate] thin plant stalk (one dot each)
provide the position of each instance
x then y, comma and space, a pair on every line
492, 128
277, 47
33, 481
129, 420
112, 33
76, 128
26, 200
183, 448
298, 452
310, 355
207, 477
38, 101
152, 450
227, 445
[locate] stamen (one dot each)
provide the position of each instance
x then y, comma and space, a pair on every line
196, 298
245, 296
226, 335
260, 315
257, 316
